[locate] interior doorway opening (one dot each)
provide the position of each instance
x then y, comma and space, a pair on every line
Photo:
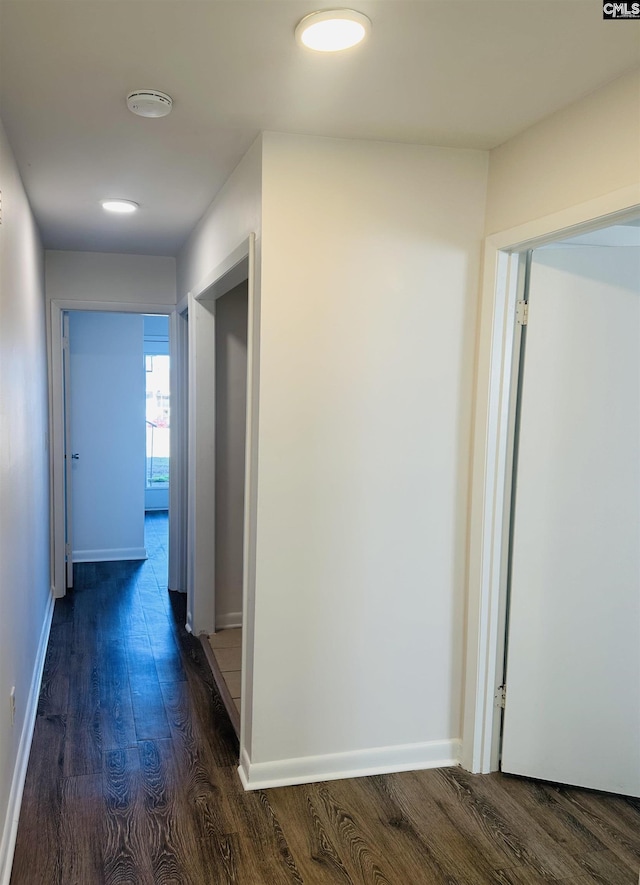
573, 578
105, 457
231, 316
62, 544
222, 325
499, 358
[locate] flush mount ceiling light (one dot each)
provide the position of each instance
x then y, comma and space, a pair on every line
121, 207
149, 103
332, 30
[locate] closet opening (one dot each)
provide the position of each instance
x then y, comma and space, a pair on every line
221, 493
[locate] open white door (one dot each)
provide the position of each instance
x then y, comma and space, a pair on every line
68, 453
572, 712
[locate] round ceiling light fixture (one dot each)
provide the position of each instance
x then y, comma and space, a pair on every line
332, 30
149, 103
121, 207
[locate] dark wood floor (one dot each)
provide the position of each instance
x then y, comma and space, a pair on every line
132, 779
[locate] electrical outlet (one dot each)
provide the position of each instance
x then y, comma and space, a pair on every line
12, 704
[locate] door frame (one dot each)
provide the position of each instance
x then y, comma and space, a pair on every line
241, 264
68, 454
492, 459
178, 482
57, 418
237, 267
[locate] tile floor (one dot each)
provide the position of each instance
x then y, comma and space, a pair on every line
227, 650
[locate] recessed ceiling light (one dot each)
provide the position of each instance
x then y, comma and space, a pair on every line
149, 103
332, 29
123, 207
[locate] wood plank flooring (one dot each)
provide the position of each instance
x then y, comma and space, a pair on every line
132, 779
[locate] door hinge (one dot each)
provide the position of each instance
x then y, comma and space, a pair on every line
67, 551
501, 696
522, 313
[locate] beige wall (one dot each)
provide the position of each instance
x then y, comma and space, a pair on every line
584, 151
368, 279
24, 479
370, 273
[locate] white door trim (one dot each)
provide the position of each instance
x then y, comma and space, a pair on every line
68, 450
491, 459
201, 495
56, 421
178, 507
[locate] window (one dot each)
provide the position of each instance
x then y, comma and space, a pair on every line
158, 420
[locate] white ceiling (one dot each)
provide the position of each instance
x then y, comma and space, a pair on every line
463, 73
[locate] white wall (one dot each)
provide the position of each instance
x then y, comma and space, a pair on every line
108, 432
586, 150
370, 269
24, 485
231, 405
103, 276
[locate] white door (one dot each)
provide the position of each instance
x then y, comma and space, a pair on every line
572, 710
108, 433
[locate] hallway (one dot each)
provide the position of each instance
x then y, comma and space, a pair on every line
132, 779
127, 712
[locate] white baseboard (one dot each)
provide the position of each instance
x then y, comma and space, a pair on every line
230, 619
358, 763
111, 555
10, 829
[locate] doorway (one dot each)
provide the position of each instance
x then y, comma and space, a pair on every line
493, 464
222, 369
60, 550
573, 637
231, 316
105, 449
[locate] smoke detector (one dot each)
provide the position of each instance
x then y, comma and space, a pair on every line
149, 103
